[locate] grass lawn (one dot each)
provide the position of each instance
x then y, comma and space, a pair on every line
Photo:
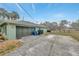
74, 34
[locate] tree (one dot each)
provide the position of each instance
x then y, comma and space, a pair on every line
75, 25
51, 26
3, 13
54, 25
13, 16
47, 24
63, 23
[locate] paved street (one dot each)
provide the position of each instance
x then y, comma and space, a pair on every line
51, 45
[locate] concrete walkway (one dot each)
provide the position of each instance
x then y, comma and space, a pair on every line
51, 45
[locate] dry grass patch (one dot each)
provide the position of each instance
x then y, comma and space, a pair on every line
74, 34
9, 45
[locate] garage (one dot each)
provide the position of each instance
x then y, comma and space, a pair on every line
23, 31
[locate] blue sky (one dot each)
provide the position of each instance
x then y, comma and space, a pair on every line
45, 12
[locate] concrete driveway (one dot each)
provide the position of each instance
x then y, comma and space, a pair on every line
50, 45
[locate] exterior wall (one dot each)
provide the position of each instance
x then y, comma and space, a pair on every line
4, 29
23, 31
44, 30
11, 31
36, 29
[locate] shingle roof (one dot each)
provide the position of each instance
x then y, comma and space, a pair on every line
22, 23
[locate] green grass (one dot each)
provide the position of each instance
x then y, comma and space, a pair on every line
74, 34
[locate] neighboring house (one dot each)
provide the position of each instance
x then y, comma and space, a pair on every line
17, 29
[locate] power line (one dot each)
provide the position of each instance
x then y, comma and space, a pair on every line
21, 8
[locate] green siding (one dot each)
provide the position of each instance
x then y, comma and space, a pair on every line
23, 31
3, 29
11, 31
37, 28
44, 30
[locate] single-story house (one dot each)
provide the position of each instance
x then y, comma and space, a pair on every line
16, 29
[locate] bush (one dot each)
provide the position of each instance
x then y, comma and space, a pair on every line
2, 37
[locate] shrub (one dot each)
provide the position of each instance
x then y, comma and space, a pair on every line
2, 37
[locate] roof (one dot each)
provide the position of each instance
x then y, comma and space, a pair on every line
22, 23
